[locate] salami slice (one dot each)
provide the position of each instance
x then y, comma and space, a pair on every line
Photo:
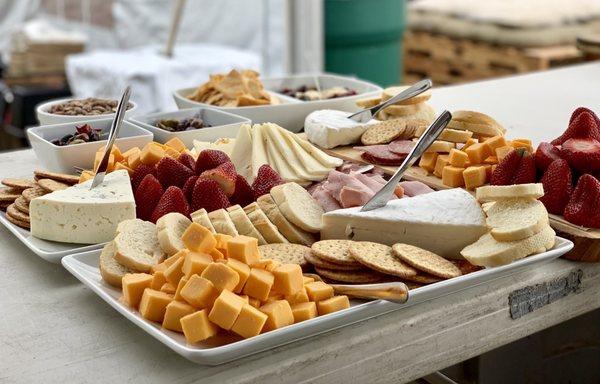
381, 155
401, 147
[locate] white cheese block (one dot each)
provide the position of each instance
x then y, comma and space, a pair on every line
442, 222
329, 128
82, 215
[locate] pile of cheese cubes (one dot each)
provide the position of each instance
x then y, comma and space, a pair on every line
198, 293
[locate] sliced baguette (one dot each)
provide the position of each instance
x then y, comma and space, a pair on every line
201, 217
499, 192
478, 118
298, 206
136, 245
111, 271
489, 252
222, 222
243, 224
262, 223
170, 228
516, 219
291, 232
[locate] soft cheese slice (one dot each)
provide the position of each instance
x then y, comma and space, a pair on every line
312, 165
320, 156
82, 215
259, 150
278, 161
241, 153
442, 222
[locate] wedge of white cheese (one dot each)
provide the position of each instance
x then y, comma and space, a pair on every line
330, 128
442, 222
82, 215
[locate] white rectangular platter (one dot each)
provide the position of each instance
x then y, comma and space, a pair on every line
48, 250
84, 266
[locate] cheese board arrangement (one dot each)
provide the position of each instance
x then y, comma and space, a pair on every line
252, 236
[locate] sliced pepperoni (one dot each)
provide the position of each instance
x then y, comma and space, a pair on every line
401, 147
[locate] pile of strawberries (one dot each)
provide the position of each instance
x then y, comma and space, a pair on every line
185, 185
568, 167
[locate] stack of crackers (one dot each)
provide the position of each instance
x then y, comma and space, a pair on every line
17, 193
415, 108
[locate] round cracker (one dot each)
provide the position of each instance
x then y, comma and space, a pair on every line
318, 262
358, 277
379, 257
22, 205
13, 212
50, 185
9, 194
286, 253
31, 193
334, 251
383, 133
18, 184
20, 223
425, 261
60, 177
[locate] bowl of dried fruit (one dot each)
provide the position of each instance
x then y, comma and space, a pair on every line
71, 110
204, 124
62, 147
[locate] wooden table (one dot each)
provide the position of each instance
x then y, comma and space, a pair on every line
54, 329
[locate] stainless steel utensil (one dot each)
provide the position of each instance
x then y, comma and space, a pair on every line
396, 292
112, 136
367, 114
429, 136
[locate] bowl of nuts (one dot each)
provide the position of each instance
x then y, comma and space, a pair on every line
71, 110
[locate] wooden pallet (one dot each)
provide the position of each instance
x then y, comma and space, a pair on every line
448, 60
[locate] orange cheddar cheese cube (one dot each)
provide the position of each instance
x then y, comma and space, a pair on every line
288, 279
246, 298
133, 285
495, 142
304, 311
279, 314
226, 309
491, 160
306, 279
243, 272
478, 152
98, 159
249, 322
130, 152
222, 276
254, 302
428, 160
198, 238
440, 163
216, 254
501, 152
222, 240
158, 267
453, 176
488, 171
173, 314
171, 152
468, 143
199, 292
194, 263
134, 160
176, 144
474, 177
243, 248
151, 154
182, 282
171, 260
266, 264
120, 166
298, 297
158, 279
168, 288
173, 273
333, 304
458, 158
318, 290
259, 284
519, 144
197, 327
154, 305
85, 176
523, 141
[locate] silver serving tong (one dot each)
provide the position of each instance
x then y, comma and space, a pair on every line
427, 138
367, 114
112, 136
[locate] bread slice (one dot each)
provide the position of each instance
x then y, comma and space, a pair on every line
480, 119
499, 192
243, 224
298, 206
291, 232
136, 245
201, 217
516, 219
222, 222
489, 252
170, 228
111, 271
262, 223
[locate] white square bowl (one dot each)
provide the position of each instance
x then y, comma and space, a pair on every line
222, 124
290, 114
63, 159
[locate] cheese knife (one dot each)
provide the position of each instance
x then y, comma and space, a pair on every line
396, 292
112, 136
416, 89
427, 138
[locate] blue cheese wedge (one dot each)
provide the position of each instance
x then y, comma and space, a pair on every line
82, 215
442, 222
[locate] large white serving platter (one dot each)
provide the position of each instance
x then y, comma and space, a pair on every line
84, 266
48, 250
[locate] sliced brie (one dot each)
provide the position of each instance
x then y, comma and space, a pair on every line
329, 128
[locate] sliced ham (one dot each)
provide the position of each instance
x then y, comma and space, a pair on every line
337, 180
399, 191
401, 147
353, 197
414, 188
325, 200
372, 183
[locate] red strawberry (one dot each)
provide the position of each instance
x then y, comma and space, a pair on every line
584, 206
208, 194
187, 160
545, 154
171, 201
580, 110
209, 159
583, 124
171, 172
557, 182
506, 169
140, 172
243, 194
582, 154
223, 174
526, 172
188, 188
147, 196
266, 179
